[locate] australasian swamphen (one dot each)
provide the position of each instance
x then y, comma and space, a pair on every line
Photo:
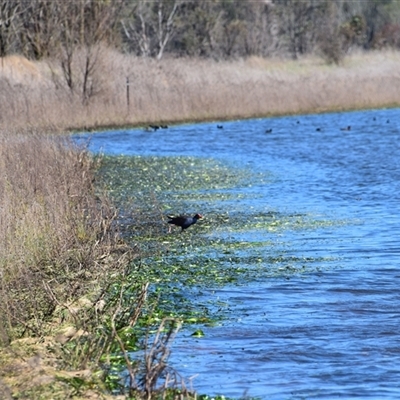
183, 221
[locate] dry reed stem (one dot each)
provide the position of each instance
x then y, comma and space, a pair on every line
156, 356
35, 94
54, 230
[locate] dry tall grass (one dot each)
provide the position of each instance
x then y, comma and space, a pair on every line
54, 230
35, 94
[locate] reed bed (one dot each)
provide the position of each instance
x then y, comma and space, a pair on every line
54, 232
177, 90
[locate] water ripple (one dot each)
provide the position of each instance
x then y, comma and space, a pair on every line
333, 332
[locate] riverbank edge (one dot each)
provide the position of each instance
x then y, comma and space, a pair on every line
146, 124
131, 92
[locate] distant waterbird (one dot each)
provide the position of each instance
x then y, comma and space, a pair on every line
183, 221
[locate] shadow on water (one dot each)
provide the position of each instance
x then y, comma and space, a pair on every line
320, 317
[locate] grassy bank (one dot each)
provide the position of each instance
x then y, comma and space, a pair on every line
176, 90
73, 293
59, 251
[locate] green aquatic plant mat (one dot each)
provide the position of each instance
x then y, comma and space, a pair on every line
176, 179
232, 244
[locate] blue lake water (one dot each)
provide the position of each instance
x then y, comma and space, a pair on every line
331, 333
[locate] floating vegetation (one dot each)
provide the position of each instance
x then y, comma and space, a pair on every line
178, 178
273, 221
239, 241
227, 247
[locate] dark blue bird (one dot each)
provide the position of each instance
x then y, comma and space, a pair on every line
183, 221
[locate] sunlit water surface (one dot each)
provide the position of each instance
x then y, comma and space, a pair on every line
332, 333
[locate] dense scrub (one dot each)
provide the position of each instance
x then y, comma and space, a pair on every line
59, 254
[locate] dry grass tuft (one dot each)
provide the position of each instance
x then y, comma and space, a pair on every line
36, 94
54, 230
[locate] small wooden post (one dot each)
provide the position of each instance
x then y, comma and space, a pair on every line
127, 92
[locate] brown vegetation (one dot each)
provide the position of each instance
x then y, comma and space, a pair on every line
54, 230
174, 90
192, 60
59, 251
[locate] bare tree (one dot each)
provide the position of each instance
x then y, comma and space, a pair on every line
330, 40
9, 11
198, 29
40, 21
136, 28
151, 25
259, 28
79, 49
298, 23
166, 24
